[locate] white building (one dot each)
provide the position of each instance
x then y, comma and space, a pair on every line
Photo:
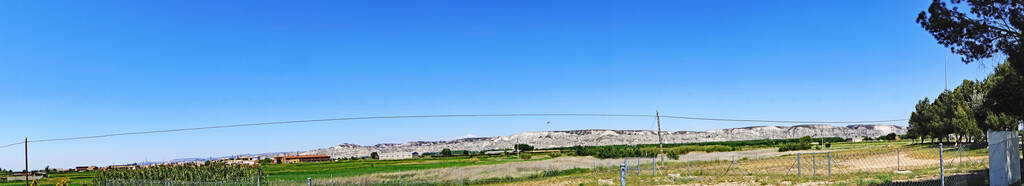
398, 155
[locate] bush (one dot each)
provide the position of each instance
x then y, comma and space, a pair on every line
673, 155
555, 154
828, 145
523, 147
794, 146
890, 136
525, 156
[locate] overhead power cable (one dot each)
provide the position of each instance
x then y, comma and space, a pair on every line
448, 116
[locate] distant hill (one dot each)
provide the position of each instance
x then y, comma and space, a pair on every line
596, 137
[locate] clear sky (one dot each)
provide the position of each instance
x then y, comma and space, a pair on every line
73, 68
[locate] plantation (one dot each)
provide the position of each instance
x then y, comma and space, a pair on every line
345, 168
205, 173
650, 150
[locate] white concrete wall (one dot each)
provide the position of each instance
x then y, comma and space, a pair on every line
395, 155
1003, 158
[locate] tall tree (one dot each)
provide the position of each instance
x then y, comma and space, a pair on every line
964, 123
989, 27
920, 120
1002, 121
1005, 91
943, 108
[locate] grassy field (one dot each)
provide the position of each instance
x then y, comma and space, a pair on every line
853, 163
346, 168
861, 163
323, 170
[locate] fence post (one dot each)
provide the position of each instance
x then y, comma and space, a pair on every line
942, 169
622, 174
830, 163
798, 167
1016, 140
814, 164
461, 181
309, 181
654, 168
898, 159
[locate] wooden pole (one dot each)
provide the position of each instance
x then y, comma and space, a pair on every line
661, 150
26, 162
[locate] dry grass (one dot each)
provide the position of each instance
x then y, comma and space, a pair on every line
854, 166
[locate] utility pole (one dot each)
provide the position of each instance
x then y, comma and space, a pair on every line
661, 150
26, 162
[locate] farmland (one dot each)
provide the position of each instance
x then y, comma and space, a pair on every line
848, 163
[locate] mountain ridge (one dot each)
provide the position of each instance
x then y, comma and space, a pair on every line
597, 137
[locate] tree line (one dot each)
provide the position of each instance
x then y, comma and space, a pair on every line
975, 30
674, 150
968, 111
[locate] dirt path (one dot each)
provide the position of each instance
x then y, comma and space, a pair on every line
750, 154
890, 162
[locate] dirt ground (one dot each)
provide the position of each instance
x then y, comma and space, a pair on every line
519, 169
764, 161
905, 161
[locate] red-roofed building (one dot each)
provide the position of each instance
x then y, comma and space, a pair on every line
302, 158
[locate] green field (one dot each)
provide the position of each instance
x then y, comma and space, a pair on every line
771, 169
301, 171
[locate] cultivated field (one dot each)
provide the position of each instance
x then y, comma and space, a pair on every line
841, 164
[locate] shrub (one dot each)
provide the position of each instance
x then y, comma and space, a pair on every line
523, 147
890, 136
828, 145
555, 154
525, 156
794, 146
673, 155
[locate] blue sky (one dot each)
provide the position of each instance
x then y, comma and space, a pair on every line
70, 68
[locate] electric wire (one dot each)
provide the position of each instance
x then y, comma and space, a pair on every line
448, 116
